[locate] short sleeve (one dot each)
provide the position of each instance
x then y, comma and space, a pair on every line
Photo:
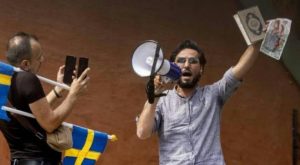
31, 88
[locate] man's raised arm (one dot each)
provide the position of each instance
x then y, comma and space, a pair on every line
246, 61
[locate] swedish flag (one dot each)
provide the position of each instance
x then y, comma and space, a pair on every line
6, 72
87, 146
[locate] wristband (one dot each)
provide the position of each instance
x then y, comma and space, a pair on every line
56, 94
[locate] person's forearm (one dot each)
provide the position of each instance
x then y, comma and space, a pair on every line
146, 120
50, 119
59, 114
246, 61
53, 95
64, 109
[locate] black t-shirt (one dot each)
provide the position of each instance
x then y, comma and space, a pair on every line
26, 89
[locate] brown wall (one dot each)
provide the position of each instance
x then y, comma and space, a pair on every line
256, 122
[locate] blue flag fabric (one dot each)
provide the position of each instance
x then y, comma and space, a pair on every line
88, 145
6, 72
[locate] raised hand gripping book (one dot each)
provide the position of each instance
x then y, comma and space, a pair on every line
251, 24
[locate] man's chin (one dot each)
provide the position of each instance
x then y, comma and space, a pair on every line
188, 83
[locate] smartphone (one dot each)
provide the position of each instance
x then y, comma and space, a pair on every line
83, 64
70, 64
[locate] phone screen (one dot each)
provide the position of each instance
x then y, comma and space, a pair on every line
83, 64
69, 69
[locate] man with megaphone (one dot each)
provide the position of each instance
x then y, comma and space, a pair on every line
187, 119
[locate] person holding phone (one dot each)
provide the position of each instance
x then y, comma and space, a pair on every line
27, 94
187, 119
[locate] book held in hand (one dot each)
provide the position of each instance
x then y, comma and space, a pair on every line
276, 36
251, 24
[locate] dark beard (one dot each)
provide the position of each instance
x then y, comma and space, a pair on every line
191, 84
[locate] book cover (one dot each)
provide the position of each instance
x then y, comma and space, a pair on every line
251, 24
276, 37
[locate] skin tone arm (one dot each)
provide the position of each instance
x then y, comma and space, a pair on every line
146, 120
248, 58
246, 61
51, 97
50, 119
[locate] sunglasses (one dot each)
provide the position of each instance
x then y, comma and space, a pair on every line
191, 60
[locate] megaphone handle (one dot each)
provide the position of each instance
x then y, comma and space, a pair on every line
150, 89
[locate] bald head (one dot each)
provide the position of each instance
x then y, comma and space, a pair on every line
19, 48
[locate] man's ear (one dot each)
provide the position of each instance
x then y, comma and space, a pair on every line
25, 65
201, 70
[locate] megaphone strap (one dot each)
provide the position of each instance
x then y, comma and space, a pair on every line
160, 95
150, 84
150, 91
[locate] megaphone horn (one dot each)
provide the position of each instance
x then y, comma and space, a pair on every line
143, 60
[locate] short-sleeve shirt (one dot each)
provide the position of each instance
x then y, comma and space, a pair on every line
26, 89
189, 128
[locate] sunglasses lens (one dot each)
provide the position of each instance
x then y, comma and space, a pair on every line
181, 60
193, 60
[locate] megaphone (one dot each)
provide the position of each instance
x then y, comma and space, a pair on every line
148, 59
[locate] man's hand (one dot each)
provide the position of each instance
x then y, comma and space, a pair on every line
161, 86
80, 83
50, 118
60, 74
59, 78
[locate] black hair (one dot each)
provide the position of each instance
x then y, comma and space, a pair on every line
191, 45
19, 47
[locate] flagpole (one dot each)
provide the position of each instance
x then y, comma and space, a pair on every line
64, 86
69, 125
